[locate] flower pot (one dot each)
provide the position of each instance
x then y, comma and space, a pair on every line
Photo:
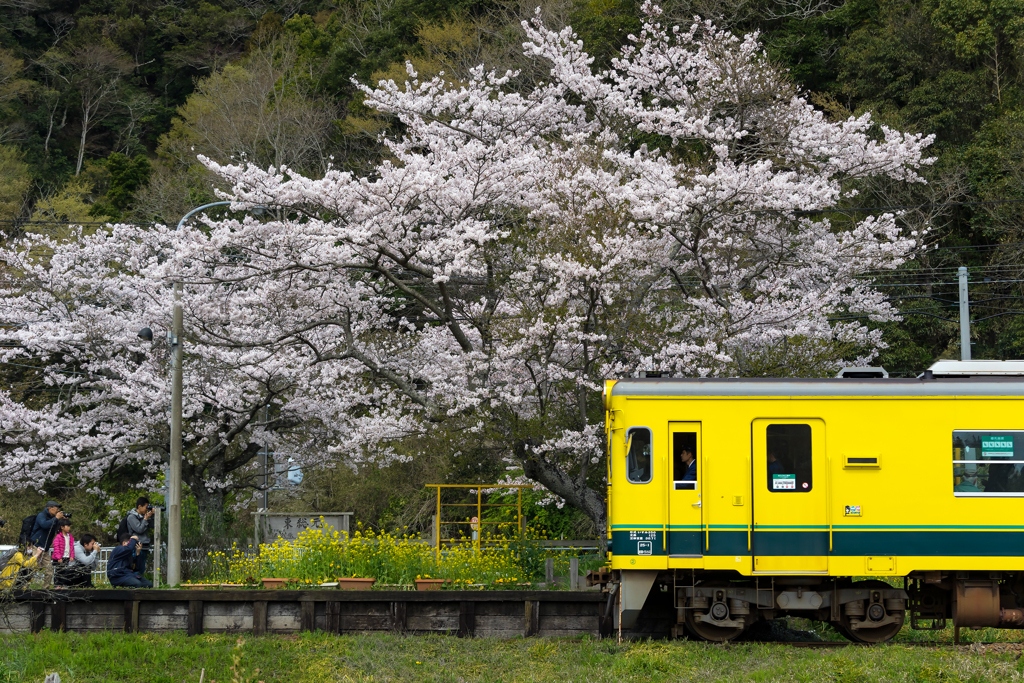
430, 584
274, 583
200, 586
232, 585
355, 584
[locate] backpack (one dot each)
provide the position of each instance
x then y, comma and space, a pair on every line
27, 525
122, 528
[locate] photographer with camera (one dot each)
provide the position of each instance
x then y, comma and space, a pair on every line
16, 566
122, 565
43, 530
87, 555
45, 527
138, 523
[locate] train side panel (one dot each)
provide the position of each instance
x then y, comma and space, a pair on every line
874, 495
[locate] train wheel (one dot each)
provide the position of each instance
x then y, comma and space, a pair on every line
717, 610
871, 636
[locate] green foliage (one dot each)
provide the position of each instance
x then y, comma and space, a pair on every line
604, 25
15, 181
126, 177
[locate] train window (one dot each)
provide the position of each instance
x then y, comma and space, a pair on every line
639, 457
988, 463
789, 458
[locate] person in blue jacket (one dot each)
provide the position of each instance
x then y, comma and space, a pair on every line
45, 527
121, 564
690, 463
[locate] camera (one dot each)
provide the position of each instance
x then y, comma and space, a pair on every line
67, 515
3, 523
150, 506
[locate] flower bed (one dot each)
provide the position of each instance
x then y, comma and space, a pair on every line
317, 557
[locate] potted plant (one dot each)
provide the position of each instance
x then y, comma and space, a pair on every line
355, 583
425, 583
269, 582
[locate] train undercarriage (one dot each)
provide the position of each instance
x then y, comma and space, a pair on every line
720, 607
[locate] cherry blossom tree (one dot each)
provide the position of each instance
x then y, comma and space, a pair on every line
518, 248
92, 398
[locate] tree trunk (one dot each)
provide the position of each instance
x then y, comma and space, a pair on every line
573, 489
211, 510
81, 146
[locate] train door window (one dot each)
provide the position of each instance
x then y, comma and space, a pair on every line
684, 452
988, 463
639, 455
789, 458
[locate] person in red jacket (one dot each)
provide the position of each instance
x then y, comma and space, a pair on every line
63, 553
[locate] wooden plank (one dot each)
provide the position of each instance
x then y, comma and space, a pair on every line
38, 616
505, 609
283, 617
85, 617
59, 616
581, 624
227, 617
163, 616
398, 611
467, 619
90, 616
163, 623
195, 617
16, 618
432, 624
362, 622
307, 614
531, 618
333, 617
259, 617
567, 609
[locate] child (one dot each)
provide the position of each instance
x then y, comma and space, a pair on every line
63, 553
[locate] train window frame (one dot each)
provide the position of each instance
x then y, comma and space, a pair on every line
806, 486
985, 461
629, 441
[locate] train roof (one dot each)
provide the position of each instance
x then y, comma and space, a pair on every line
698, 387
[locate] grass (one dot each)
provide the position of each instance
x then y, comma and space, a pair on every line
321, 658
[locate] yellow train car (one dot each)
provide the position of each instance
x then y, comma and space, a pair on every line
745, 499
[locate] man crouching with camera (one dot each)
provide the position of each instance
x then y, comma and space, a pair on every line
122, 565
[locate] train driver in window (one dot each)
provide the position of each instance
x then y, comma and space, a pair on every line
689, 465
774, 466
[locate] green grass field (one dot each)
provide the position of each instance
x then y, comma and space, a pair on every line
321, 658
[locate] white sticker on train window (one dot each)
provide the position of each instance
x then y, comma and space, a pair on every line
785, 482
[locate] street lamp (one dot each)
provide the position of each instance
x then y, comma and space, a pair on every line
173, 501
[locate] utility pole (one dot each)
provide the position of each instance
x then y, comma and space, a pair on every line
174, 467
965, 316
266, 453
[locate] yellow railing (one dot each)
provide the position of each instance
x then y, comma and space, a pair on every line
480, 506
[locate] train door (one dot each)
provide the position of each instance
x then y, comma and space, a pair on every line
790, 482
685, 520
